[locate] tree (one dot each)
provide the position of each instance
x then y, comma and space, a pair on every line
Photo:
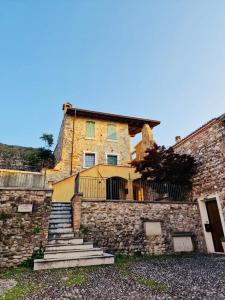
48, 139
42, 157
163, 165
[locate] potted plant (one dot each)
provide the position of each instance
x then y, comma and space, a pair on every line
223, 243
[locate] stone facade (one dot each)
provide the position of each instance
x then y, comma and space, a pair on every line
100, 144
73, 143
119, 225
63, 151
22, 230
207, 145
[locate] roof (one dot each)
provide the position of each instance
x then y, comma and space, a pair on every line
135, 124
200, 129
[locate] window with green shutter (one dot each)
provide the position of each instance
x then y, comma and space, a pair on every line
111, 132
90, 129
112, 159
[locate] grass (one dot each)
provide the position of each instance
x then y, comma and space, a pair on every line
152, 284
13, 273
223, 275
75, 280
122, 259
122, 262
19, 291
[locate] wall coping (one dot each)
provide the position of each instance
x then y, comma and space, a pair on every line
2, 188
20, 171
138, 202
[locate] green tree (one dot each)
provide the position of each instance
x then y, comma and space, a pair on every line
48, 139
42, 157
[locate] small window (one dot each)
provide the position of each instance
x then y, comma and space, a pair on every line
89, 160
90, 129
111, 132
112, 159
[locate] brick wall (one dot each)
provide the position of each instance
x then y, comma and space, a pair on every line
118, 225
22, 232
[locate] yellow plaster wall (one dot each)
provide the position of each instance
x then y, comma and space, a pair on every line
111, 171
63, 190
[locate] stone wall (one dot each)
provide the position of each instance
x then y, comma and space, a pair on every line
100, 145
22, 232
72, 139
119, 225
207, 145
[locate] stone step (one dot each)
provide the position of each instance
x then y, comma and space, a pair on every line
44, 264
69, 254
60, 230
60, 208
60, 225
60, 235
61, 247
56, 204
60, 212
60, 216
60, 220
65, 240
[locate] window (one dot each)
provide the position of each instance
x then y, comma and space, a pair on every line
111, 132
112, 159
90, 129
89, 160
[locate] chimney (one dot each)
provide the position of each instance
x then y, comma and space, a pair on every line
178, 138
66, 106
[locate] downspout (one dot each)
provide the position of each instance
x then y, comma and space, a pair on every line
71, 165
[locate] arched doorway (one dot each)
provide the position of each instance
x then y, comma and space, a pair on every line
116, 188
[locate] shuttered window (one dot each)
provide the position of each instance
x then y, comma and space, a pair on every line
90, 129
111, 132
112, 160
89, 160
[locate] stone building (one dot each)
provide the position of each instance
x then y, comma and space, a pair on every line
207, 145
95, 144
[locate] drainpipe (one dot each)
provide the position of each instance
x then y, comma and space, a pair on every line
71, 165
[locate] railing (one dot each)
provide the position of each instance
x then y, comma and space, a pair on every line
16, 178
117, 188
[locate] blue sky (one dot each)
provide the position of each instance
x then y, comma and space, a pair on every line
159, 59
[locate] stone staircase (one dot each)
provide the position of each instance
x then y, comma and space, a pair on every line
64, 249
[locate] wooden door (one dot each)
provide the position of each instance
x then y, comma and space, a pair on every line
216, 225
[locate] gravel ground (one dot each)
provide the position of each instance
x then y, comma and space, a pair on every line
6, 284
181, 277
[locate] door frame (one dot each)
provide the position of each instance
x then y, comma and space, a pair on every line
205, 219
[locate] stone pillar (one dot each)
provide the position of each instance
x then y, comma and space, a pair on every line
147, 139
129, 187
76, 211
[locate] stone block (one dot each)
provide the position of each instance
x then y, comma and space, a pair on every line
23, 208
152, 228
183, 244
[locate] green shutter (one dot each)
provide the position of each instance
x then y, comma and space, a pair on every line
111, 133
112, 160
90, 129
